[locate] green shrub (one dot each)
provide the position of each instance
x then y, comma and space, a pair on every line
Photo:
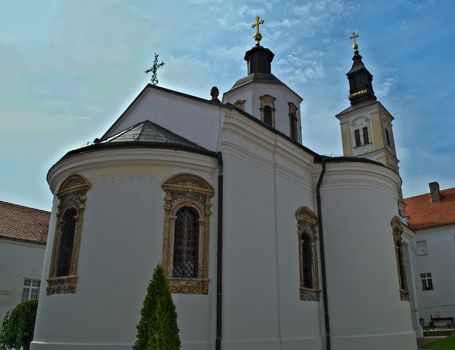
17, 327
157, 329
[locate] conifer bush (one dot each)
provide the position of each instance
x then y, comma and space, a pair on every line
157, 328
17, 327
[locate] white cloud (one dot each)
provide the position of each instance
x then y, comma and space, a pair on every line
386, 87
297, 70
321, 15
205, 2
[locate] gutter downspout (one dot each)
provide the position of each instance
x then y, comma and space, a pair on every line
219, 256
321, 245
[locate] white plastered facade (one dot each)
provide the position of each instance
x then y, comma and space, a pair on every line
433, 252
28, 262
267, 177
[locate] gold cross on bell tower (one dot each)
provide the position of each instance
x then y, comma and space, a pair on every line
257, 36
354, 37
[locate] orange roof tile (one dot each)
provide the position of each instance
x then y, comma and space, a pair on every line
23, 223
423, 213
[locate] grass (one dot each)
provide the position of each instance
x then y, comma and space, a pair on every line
442, 344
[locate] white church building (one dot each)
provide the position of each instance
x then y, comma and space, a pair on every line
267, 244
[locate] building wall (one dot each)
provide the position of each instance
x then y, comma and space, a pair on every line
266, 180
174, 112
18, 260
282, 94
359, 201
121, 243
439, 261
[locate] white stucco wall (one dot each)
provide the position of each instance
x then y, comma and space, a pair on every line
266, 180
359, 201
177, 113
18, 260
121, 243
251, 93
439, 260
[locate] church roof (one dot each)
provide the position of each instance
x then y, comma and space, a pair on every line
144, 134
147, 131
264, 78
23, 223
423, 213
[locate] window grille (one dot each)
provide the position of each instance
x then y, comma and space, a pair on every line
186, 243
66, 242
307, 252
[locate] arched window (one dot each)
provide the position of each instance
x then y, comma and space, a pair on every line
307, 257
186, 233
186, 243
397, 229
240, 104
387, 136
293, 122
268, 110
306, 231
65, 250
72, 195
268, 115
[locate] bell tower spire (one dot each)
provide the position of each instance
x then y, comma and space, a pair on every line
360, 79
366, 126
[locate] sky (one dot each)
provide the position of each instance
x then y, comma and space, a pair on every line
68, 69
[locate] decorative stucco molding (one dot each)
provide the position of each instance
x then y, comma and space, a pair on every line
72, 194
307, 222
397, 230
187, 190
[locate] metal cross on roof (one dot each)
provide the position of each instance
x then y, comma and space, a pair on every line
257, 36
354, 37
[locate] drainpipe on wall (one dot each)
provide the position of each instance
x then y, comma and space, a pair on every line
219, 256
321, 245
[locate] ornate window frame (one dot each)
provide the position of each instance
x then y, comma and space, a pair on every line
307, 222
187, 190
240, 104
293, 122
268, 101
397, 231
72, 193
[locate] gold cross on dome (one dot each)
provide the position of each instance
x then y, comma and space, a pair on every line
257, 36
354, 37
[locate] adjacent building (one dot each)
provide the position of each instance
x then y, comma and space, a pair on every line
432, 218
23, 236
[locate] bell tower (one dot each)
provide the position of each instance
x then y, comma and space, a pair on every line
366, 126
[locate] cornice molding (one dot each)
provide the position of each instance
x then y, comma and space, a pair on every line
84, 162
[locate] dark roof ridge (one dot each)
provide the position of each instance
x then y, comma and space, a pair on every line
341, 159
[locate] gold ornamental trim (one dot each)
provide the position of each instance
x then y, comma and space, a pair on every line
307, 222
187, 190
72, 193
397, 231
